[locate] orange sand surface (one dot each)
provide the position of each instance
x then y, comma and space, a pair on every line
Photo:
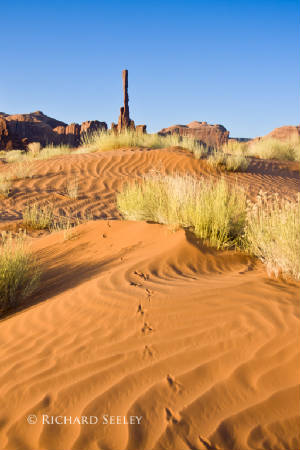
138, 320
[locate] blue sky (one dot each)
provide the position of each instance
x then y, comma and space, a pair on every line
229, 62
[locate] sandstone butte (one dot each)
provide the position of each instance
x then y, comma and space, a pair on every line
18, 130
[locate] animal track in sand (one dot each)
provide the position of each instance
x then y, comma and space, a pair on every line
172, 416
145, 276
140, 310
177, 387
148, 352
147, 329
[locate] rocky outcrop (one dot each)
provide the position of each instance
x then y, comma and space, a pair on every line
210, 135
285, 133
17, 131
124, 122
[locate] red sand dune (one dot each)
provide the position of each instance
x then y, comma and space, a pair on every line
136, 319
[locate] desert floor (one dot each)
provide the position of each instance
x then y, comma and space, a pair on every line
139, 319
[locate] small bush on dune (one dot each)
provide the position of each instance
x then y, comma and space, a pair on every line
233, 147
51, 151
270, 148
72, 187
273, 233
14, 156
21, 170
268, 229
35, 153
105, 140
5, 185
236, 163
34, 148
38, 217
215, 211
19, 272
229, 162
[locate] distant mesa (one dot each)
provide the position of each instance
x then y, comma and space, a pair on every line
210, 135
18, 130
285, 133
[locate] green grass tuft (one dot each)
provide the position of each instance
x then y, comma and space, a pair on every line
19, 272
105, 140
214, 211
273, 233
270, 148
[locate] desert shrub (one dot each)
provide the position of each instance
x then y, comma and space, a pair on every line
38, 217
14, 156
270, 148
22, 169
34, 148
106, 140
72, 187
19, 272
51, 151
217, 158
215, 211
5, 185
233, 147
273, 233
236, 163
229, 162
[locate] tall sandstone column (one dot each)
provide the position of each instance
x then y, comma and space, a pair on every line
124, 120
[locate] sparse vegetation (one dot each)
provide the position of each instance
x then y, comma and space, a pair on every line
21, 170
38, 217
215, 211
72, 187
19, 272
51, 151
35, 153
229, 162
34, 148
5, 185
14, 156
234, 147
273, 233
268, 229
269, 148
105, 140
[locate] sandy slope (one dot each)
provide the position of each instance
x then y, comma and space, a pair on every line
101, 174
135, 319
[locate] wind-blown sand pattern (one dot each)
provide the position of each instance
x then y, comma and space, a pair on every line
138, 319
100, 175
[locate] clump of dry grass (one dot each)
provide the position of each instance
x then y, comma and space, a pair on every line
72, 187
19, 271
14, 156
22, 169
270, 148
272, 233
215, 211
50, 151
42, 217
34, 148
106, 140
35, 153
38, 217
5, 185
229, 162
268, 229
233, 147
